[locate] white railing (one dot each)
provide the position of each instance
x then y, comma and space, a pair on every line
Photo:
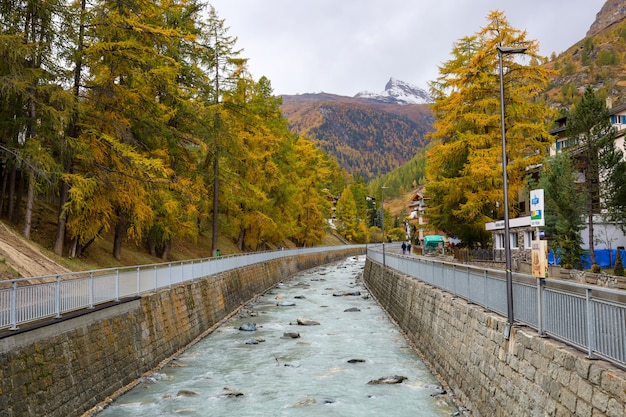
27, 300
590, 318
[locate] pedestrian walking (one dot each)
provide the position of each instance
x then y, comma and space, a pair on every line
403, 248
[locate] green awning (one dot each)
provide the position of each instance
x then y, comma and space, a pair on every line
433, 241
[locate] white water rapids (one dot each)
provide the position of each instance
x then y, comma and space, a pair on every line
323, 372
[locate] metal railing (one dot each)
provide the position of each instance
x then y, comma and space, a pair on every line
27, 300
589, 318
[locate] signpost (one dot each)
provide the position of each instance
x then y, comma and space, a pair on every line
537, 214
539, 247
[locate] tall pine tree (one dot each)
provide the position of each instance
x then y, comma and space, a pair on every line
464, 172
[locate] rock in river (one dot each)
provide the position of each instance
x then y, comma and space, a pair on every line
347, 293
248, 327
393, 379
307, 322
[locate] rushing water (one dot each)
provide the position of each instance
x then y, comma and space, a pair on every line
324, 372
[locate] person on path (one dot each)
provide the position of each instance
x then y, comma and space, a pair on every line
403, 248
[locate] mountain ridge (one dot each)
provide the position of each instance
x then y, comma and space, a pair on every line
398, 92
369, 136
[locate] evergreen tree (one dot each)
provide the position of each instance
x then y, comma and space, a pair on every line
464, 176
33, 106
590, 125
220, 60
347, 215
563, 202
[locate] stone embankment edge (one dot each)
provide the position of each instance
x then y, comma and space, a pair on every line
525, 376
69, 367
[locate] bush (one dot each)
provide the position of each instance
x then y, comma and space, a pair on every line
619, 266
595, 268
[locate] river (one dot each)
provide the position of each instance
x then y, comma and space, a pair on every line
286, 369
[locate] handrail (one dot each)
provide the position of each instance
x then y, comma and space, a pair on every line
25, 300
589, 318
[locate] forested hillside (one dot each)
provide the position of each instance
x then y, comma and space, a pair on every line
367, 139
141, 119
597, 60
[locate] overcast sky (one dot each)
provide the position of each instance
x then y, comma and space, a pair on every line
348, 46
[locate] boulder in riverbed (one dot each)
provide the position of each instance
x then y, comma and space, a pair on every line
393, 379
307, 322
231, 392
346, 293
247, 327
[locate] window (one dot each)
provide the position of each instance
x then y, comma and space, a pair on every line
529, 236
499, 243
513, 240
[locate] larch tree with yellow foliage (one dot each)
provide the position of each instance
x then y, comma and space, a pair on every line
464, 168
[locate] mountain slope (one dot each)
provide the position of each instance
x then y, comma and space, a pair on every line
597, 60
369, 134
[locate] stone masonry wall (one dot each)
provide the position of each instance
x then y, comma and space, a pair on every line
66, 368
525, 376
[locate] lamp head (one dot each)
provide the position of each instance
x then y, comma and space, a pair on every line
510, 50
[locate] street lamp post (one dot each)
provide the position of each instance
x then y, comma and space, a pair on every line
507, 244
382, 209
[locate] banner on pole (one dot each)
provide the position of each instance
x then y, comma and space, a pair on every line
537, 214
540, 258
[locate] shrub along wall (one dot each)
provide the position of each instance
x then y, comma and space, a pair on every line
66, 368
526, 375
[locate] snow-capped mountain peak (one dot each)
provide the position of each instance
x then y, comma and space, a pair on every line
398, 92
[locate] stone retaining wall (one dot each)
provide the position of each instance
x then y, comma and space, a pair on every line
66, 368
525, 376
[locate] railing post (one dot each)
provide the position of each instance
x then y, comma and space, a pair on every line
138, 283
469, 292
591, 334
57, 297
454, 290
169, 275
156, 278
14, 306
541, 285
91, 289
117, 284
485, 301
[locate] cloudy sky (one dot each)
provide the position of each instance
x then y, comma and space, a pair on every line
347, 46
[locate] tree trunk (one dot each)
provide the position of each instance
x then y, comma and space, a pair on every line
240, 239
166, 250
592, 253
216, 172
28, 216
60, 236
120, 228
150, 242
73, 248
